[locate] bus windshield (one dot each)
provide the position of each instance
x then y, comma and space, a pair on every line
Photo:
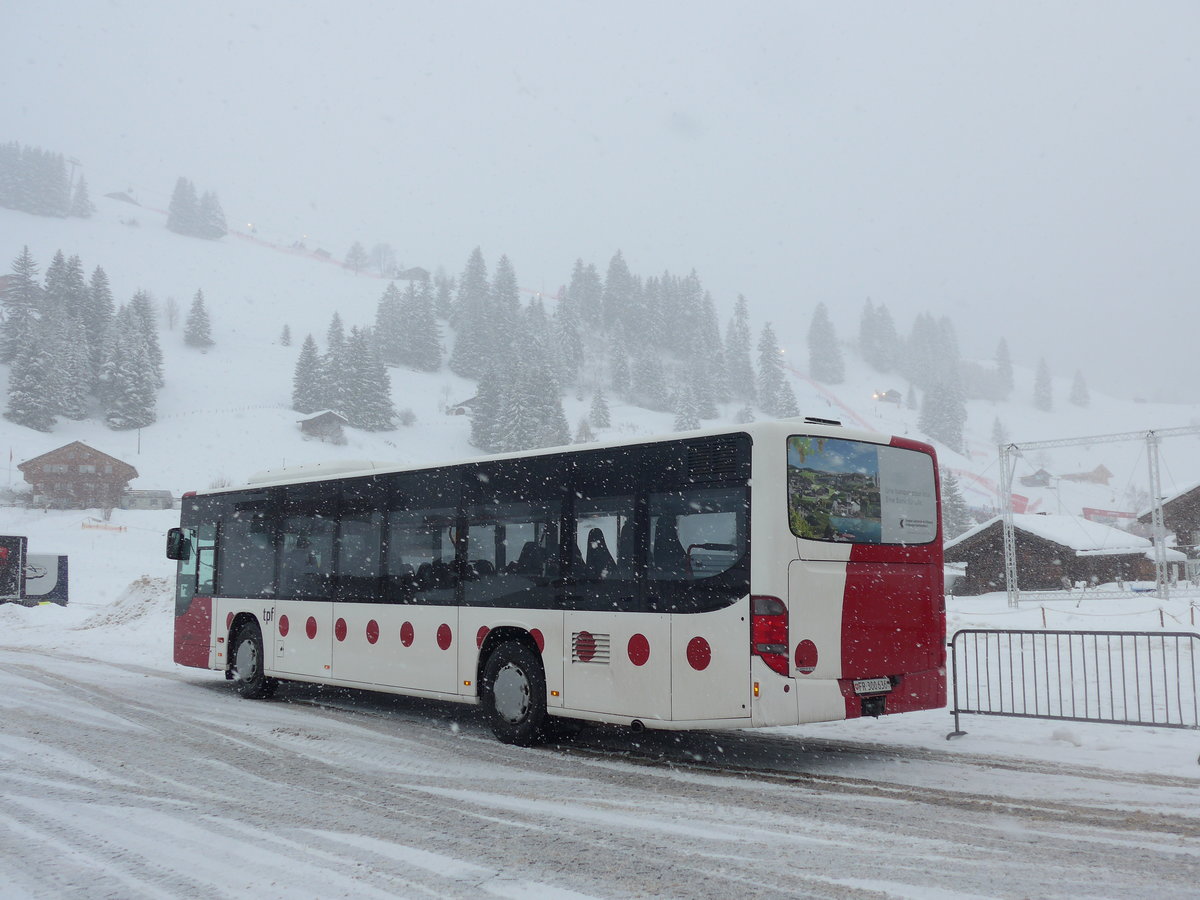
857, 492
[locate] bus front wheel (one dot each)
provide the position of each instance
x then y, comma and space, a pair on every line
246, 664
514, 695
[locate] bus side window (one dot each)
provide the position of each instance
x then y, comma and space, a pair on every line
360, 560
696, 534
420, 558
307, 557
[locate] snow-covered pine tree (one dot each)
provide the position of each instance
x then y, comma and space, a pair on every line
956, 517
425, 334
999, 434
1079, 391
197, 330
618, 286
583, 432
737, 354
285, 336
503, 315
773, 389
868, 335
586, 291
921, 352
619, 376
129, 376
468, 358
101, 308
887, 340
443, 295
29, 402
744, 416
81, 204
712, 385
183, 212
356, 258
568, 340
686, 416
944, 414
74, 368
648, 386
1043, 387
493, 386
389, 325
210, 217
1004, 366
145, 319
599, 415
22, 301
824, 355
367, 386
308, 379
54, 290
335, 335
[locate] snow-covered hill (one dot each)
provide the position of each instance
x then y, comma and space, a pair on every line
225, 412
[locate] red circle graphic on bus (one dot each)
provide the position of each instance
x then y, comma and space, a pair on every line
806, 657
539, 639
310, 627
699, 654
228, 621
339, 629
639, 650
444, 636
585, 646
406, 634
284, 625
480, 635
372, 631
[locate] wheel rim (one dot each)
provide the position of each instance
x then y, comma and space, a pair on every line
510, 693
245, 662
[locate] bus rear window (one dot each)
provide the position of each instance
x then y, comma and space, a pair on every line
855, 492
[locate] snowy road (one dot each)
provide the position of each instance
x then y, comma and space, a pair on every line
124, 781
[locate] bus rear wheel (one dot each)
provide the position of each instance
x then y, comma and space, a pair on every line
246, 664
514, 695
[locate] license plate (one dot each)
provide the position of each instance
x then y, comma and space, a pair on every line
872, 685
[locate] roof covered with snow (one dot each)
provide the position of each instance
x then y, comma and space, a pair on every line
1074, 532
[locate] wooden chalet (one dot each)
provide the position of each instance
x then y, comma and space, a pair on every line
77, 476
326, 426
1181, 513
1053, 552
1098, 475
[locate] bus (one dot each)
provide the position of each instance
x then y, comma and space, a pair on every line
778, 573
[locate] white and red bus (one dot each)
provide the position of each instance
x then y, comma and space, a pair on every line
783, 572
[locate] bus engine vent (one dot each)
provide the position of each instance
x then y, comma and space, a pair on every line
589, 648
715, 460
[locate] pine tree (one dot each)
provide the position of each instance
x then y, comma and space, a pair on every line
335, 335
583, 432
1043, 389
468, 357
101, 309
389, 325
1079, 391
29, 403
197, 331
618, 286
144, 318
775, 395
599, 415
648, 386
367, 387
619, 376
129, 393
444, 295
944, 414
824, 356
22, 301
999, 434
587, 293
210, 218
424, 332
737, 354
887, 340
568, 340
1004, 366
956, 517
81, 204
356, 258
307, 379
686, 416
183, 212
285, 336
868, 335
74, 369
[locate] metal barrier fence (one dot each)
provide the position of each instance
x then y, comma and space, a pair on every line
1119, 677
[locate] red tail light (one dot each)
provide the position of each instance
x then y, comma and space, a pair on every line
769, 632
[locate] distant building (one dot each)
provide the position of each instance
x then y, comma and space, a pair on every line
1040, 478
1098, 475
1181, 512
77, 476
147, 500
325, 426
1053, 552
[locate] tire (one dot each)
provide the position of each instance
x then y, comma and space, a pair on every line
246, 664
514, 695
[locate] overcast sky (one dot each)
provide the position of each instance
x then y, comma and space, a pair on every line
1029, 169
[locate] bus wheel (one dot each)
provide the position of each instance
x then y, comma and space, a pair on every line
514, 695
246, 665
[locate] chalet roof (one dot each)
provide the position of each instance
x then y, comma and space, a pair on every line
88, 452
1073, 532
326, 416
1185, 493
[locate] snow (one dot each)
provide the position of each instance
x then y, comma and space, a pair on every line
122, 774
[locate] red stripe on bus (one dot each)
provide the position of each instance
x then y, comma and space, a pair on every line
193, 633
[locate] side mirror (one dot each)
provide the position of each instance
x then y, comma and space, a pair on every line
178, 545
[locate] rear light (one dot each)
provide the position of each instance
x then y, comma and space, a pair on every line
769, 632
